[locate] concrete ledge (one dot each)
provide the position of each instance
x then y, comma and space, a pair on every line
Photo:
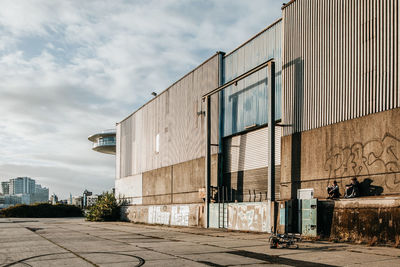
364, 220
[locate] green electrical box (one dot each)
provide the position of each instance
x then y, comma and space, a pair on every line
308, 217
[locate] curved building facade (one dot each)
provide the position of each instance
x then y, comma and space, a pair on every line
104, 141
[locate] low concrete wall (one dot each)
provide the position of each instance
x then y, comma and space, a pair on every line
246, 216
367, 220
179, 215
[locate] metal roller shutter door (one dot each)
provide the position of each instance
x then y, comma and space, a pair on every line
250, 150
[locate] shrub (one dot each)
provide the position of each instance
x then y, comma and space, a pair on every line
106, 208
41, 210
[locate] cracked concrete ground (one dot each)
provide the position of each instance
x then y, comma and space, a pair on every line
74, 242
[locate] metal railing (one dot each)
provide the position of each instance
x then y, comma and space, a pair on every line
104, 143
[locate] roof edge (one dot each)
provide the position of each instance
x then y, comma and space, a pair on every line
255, 36
288, 4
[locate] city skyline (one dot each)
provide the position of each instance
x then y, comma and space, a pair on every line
38, 185
72, 69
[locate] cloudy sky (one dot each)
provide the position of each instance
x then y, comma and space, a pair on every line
71, 68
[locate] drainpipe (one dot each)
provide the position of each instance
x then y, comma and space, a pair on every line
271, 141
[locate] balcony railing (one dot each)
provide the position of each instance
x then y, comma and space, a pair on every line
104, 143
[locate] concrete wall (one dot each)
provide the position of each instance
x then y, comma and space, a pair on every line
178, 183
182, 215
157, 186
367, 148
131, 188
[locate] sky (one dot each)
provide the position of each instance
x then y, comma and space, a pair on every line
69, 69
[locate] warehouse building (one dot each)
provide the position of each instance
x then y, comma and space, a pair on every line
160, 149
198, 154
341, 98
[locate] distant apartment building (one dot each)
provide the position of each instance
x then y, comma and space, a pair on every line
88, 199
91, 200
22, 185
54, 199
41, 194
76, 201
23, 190
5, 187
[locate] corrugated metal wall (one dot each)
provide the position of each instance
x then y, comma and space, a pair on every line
245, 104
250, 151
340, 61
173, 115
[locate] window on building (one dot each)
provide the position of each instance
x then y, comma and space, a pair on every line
158, 143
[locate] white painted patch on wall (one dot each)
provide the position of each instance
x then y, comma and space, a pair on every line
180, 215
249, 216
130, 187
159, 215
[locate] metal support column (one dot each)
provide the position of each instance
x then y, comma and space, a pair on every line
220, 118
208, 158
271, 131
271, 145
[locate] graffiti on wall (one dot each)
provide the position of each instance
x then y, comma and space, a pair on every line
180, 215
169, 215
376, 159
246, 216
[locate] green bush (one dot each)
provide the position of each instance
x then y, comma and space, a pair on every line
106, 208
41, 210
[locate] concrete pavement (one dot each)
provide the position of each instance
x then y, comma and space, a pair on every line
74, 242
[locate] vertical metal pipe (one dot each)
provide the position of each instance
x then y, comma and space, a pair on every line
208, 158
271, 131
220, 117
223, 206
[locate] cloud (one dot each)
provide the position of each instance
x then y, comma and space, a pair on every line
72, 68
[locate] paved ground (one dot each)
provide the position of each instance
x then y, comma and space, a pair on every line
74, 242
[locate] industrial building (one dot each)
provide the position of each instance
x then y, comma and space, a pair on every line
249, 140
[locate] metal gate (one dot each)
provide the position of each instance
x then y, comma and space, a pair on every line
222, 207
219, 208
